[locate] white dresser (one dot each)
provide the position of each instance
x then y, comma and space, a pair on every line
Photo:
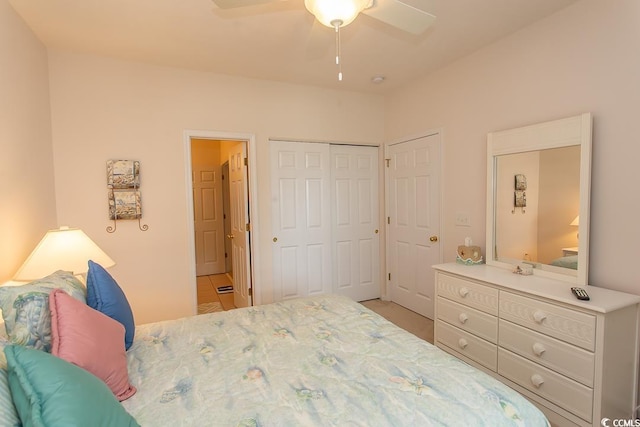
576, 360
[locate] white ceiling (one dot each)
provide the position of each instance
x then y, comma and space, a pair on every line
278, 41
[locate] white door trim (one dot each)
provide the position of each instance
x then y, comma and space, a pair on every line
250, 140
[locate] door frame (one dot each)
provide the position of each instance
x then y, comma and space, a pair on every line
387, 290
254, 256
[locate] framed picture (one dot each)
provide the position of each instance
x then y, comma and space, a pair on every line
123, 174
520, 182
520, 199
124, 204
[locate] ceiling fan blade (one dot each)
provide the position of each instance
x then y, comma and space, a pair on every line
232, 4
400, 15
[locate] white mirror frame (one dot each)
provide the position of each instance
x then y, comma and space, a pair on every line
570, 131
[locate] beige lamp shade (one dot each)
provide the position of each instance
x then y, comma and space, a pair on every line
67, 249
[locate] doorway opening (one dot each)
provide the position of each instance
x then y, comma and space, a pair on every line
219, 187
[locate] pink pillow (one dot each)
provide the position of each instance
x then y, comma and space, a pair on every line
90, 340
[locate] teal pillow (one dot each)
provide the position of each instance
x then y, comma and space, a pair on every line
8, 414
25, 308
48, 391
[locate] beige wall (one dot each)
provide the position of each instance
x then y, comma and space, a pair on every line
105, 109
518, 237
28, 206
584, 58
581, 59
559, 201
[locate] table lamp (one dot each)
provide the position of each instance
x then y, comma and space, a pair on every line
67, 249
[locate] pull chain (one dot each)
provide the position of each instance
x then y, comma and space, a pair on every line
336, 25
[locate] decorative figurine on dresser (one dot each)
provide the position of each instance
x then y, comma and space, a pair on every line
572, 352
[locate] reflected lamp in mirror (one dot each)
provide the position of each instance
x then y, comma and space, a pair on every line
67, 249
576, 223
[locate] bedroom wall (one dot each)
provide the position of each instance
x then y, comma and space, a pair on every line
583, 58
28, 207
111, 109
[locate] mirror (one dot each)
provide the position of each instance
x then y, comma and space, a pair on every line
538, 187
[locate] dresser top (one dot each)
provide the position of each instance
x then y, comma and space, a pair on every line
602, 300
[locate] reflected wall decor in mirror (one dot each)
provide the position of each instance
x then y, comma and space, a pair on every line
538, 198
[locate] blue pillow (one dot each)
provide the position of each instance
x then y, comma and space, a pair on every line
104, 295
48, 391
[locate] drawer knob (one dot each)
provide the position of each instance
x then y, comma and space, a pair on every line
462, 343
537, 380
463, 318
463, 292
538, 349
539, 316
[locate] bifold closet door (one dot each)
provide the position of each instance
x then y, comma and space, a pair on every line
355, 221
325, 220
301, 219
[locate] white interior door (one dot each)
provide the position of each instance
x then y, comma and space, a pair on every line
207, 212
414, 222
239, 200
301, 219
355, 221
226, 219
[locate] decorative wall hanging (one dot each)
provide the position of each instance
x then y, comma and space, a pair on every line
519, 195
123, 182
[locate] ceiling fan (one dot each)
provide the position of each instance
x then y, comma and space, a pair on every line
339, 13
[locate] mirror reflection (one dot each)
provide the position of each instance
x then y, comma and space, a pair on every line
537, 205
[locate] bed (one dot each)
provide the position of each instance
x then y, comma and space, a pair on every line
74, 356
321, 361
569, 261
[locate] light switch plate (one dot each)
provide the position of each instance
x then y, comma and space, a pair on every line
462, 219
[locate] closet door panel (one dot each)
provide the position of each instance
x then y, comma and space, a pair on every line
355, 225
301, 225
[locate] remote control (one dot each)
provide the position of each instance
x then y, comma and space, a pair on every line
580, 293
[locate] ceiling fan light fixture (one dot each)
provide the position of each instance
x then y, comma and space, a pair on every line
334, 13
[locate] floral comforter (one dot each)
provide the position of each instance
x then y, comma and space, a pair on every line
322, 361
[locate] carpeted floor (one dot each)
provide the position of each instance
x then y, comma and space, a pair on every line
408, 320
209, 307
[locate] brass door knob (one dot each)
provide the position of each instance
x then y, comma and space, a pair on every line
433, 238
376, 231
230, 236
275, 239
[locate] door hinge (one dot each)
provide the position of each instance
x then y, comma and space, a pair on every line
389, 276
250, 292
248, 226
388, 220
246, 161
387, 160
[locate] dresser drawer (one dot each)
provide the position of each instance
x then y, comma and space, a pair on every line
567, 394
468, 345
483, 298
469, 319
567, 325
561, 357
